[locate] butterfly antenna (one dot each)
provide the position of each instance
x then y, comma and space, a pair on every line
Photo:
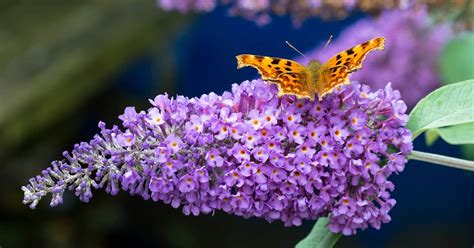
294, 48
327, 43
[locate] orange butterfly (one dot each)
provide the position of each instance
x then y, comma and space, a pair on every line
316, 78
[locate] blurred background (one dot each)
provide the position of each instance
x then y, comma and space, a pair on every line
66, 66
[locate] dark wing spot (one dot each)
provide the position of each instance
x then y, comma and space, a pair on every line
269, 66
365, 44
288, 63
279, 72
258, 57
277, 68
338, 62
348, 58
334, 69
350, 51
346, 64
287, 69
275, 61
338, 57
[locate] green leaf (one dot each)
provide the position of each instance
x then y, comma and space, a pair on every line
447, 106
320, 236
459, 134
456, 61
431, 136
468, 152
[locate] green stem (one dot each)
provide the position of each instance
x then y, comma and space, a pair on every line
320, 236
442, 160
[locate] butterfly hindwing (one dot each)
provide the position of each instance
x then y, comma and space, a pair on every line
293, 83
331, 78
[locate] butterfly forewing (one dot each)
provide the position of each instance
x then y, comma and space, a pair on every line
335, 72
290, 76
352, 58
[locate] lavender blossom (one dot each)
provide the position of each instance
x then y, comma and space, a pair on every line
413, 45
248, 153
260, 10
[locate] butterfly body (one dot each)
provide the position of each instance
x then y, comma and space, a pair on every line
293, 78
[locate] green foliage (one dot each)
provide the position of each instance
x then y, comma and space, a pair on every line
56, 57
319, 237
431, 136
457, 61
454, 135
447, 106
468, 151
456, 64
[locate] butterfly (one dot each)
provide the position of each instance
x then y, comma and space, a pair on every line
293, 78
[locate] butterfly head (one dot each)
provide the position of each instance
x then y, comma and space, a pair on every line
314, 66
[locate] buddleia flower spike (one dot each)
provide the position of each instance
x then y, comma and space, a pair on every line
249, 153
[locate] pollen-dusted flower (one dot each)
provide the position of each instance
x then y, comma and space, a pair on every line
410, 60
332, 159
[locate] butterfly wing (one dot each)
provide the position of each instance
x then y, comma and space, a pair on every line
295, 83
290, 76
336, 70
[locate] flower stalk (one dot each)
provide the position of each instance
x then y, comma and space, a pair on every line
320, 236
442, 160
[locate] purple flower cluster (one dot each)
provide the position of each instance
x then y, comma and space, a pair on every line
260, 10
248, 153
410, 60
